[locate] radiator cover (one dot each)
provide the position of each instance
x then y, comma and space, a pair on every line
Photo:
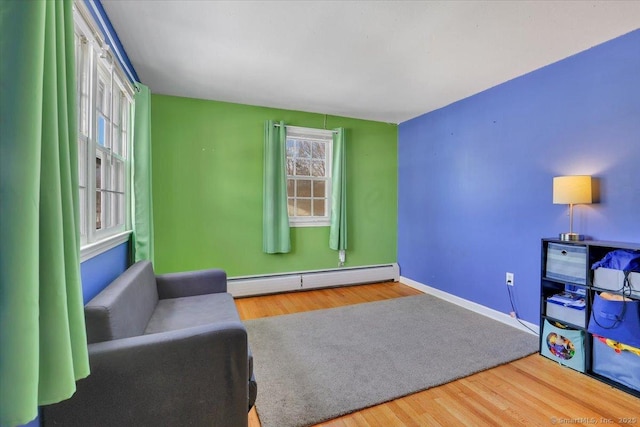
304, 280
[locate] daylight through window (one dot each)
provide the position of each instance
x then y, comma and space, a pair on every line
309, 176
104, 102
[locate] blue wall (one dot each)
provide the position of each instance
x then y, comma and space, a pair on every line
96, 273
475, 177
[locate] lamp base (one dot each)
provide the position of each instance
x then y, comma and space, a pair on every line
571, 237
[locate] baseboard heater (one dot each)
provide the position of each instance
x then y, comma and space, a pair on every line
304, 280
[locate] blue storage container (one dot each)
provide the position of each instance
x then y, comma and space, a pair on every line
617, 361
618, 320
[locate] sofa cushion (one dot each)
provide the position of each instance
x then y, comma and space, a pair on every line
179, 313
123, 308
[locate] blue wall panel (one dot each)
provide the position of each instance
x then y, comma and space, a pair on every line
99, 271
475, 177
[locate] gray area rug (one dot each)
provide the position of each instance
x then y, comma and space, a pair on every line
318, 365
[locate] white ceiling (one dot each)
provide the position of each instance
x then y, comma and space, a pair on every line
388, 61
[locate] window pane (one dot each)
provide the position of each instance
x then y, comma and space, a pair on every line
83, 212
318, 207
119, 174
123, 145
291, 205
115, 144
100, 97
82, 162
82, 73
99, 194
117, 101
107, 209
291, 188
120, 209
104, 109
318, 188
103, 128
304, 188
291, 147
83, 110
318, 150
113, 209
98, 173
304, 149
308, 167
103, 102
304, 207
317, 168
303, 167
124, 126
113, 176
98, 210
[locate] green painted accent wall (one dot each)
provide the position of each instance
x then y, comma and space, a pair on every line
207, 190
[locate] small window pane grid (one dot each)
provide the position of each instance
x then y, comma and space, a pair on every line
308, 177
104, 100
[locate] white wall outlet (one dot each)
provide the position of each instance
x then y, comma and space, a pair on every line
509, 279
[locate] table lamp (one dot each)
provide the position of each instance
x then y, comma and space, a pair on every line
571, 190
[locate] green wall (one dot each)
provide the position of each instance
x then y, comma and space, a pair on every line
207, 190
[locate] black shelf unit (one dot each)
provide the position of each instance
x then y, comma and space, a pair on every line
595, 250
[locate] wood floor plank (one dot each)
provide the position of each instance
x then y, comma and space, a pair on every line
533, 391
405, 413
479, 408
380, 416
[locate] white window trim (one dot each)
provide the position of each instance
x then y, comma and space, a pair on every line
96, 248
301, 222
322, 135
95, 242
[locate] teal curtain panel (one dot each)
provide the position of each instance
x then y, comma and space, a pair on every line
275, 218
338, 229
43, 346
141, 177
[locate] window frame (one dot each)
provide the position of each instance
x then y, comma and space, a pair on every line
312, 135
95, 63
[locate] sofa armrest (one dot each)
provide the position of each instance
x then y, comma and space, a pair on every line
186, 284
192, 376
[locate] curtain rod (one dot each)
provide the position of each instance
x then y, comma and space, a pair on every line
287, 126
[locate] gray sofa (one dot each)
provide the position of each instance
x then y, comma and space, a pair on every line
166, 350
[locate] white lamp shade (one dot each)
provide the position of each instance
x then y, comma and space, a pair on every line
572, 189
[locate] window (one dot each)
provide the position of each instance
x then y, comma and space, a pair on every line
105, 99
309, 176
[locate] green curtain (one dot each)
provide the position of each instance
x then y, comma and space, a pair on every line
275, 218
338, 230
141, 177
43, 346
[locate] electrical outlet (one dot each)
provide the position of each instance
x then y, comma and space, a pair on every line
509, 279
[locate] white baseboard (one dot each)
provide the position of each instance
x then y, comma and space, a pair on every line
473, 306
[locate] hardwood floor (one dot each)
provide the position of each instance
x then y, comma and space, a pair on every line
530, 391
